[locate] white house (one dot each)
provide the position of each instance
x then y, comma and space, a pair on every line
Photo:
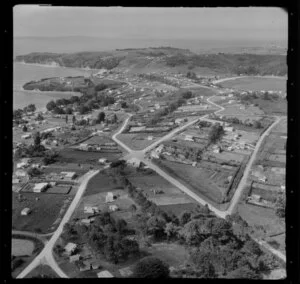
102, 160
229, 129
90, 209
70, 248
110, 197
150, 138
189, 138
40, 187
134, 162
69, 175
113, 208
26, 136
74, 258
22, 165
25, 211
154, 155
21, 173
104, 274
86, 221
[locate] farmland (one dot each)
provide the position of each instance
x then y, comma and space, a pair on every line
256, 84
138, 141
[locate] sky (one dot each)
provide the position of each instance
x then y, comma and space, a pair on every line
185, 23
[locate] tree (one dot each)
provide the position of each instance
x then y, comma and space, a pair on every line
50, 157
101, 117
58, 110
31, 108
50, 105
124, 105
156, 226
202, 260
69, 110
171, 230
215, 133
115, 119
34, 172
121, 226
37, 139
83, 109
17, 114
280, 205
151, 267
132, 208
39, 117
24, 128
257, 124
251, 247
184, 218
73, 119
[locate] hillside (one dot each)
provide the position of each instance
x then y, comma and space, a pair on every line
167, 58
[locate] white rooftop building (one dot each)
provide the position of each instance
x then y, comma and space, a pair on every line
40, 187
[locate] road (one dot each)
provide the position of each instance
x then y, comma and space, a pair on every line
40, 237
238, 193
238, 77
271, 249
46, 255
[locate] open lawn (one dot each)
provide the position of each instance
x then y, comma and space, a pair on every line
177, 209
69, 155
102, 182
256, 84
20, 247
138, 141
44, 271
259, 216
173, 254
237, 109
195, 179
44, 213
170, 194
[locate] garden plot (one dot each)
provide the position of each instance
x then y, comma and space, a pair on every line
228, 156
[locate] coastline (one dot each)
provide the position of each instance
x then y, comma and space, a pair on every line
55, 66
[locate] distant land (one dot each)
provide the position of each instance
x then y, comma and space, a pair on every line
170, 59
71, 44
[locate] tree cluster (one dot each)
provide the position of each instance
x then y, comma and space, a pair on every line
215, 133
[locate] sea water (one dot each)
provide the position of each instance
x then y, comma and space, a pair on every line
23, 73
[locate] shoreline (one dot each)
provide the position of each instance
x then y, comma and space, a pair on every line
55, 66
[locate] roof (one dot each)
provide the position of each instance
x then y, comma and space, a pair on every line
40, 186
104, 274
68, 174
26, 210
70, 246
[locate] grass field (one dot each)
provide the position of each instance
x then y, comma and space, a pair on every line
236, 110
170, 196
256, 84
42, 270
102, 182
195, 179
20, 247
138, 141
68, 155
177, 209
44, 211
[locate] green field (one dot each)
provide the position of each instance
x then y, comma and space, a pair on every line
256, 84
45, 211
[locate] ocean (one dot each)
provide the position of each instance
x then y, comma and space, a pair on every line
23, 73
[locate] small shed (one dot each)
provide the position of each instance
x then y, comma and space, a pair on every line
87, 221
113, 208
104, 274
91, 209
25, 211
70, 248
40, 187
110, 197
74, 258
102, 160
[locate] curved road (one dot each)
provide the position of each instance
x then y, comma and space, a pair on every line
238, 77
46, 255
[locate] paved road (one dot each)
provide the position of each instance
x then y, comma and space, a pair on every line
46, 256
271, 249
41, 237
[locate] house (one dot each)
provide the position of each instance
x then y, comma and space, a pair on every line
86, 221
102, 160
40, 187
22, 165
179, 120
229, 129
134, 162
194, 164
150, 138
70, 248
74, 258
189, 138
25, 211
15, 180
110, 197
90, 209
21, 173
282, 187
104, 274
256, 197
159, 148
154, 155
217, 150
262, 178
26, 136
69, 175
113, 208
